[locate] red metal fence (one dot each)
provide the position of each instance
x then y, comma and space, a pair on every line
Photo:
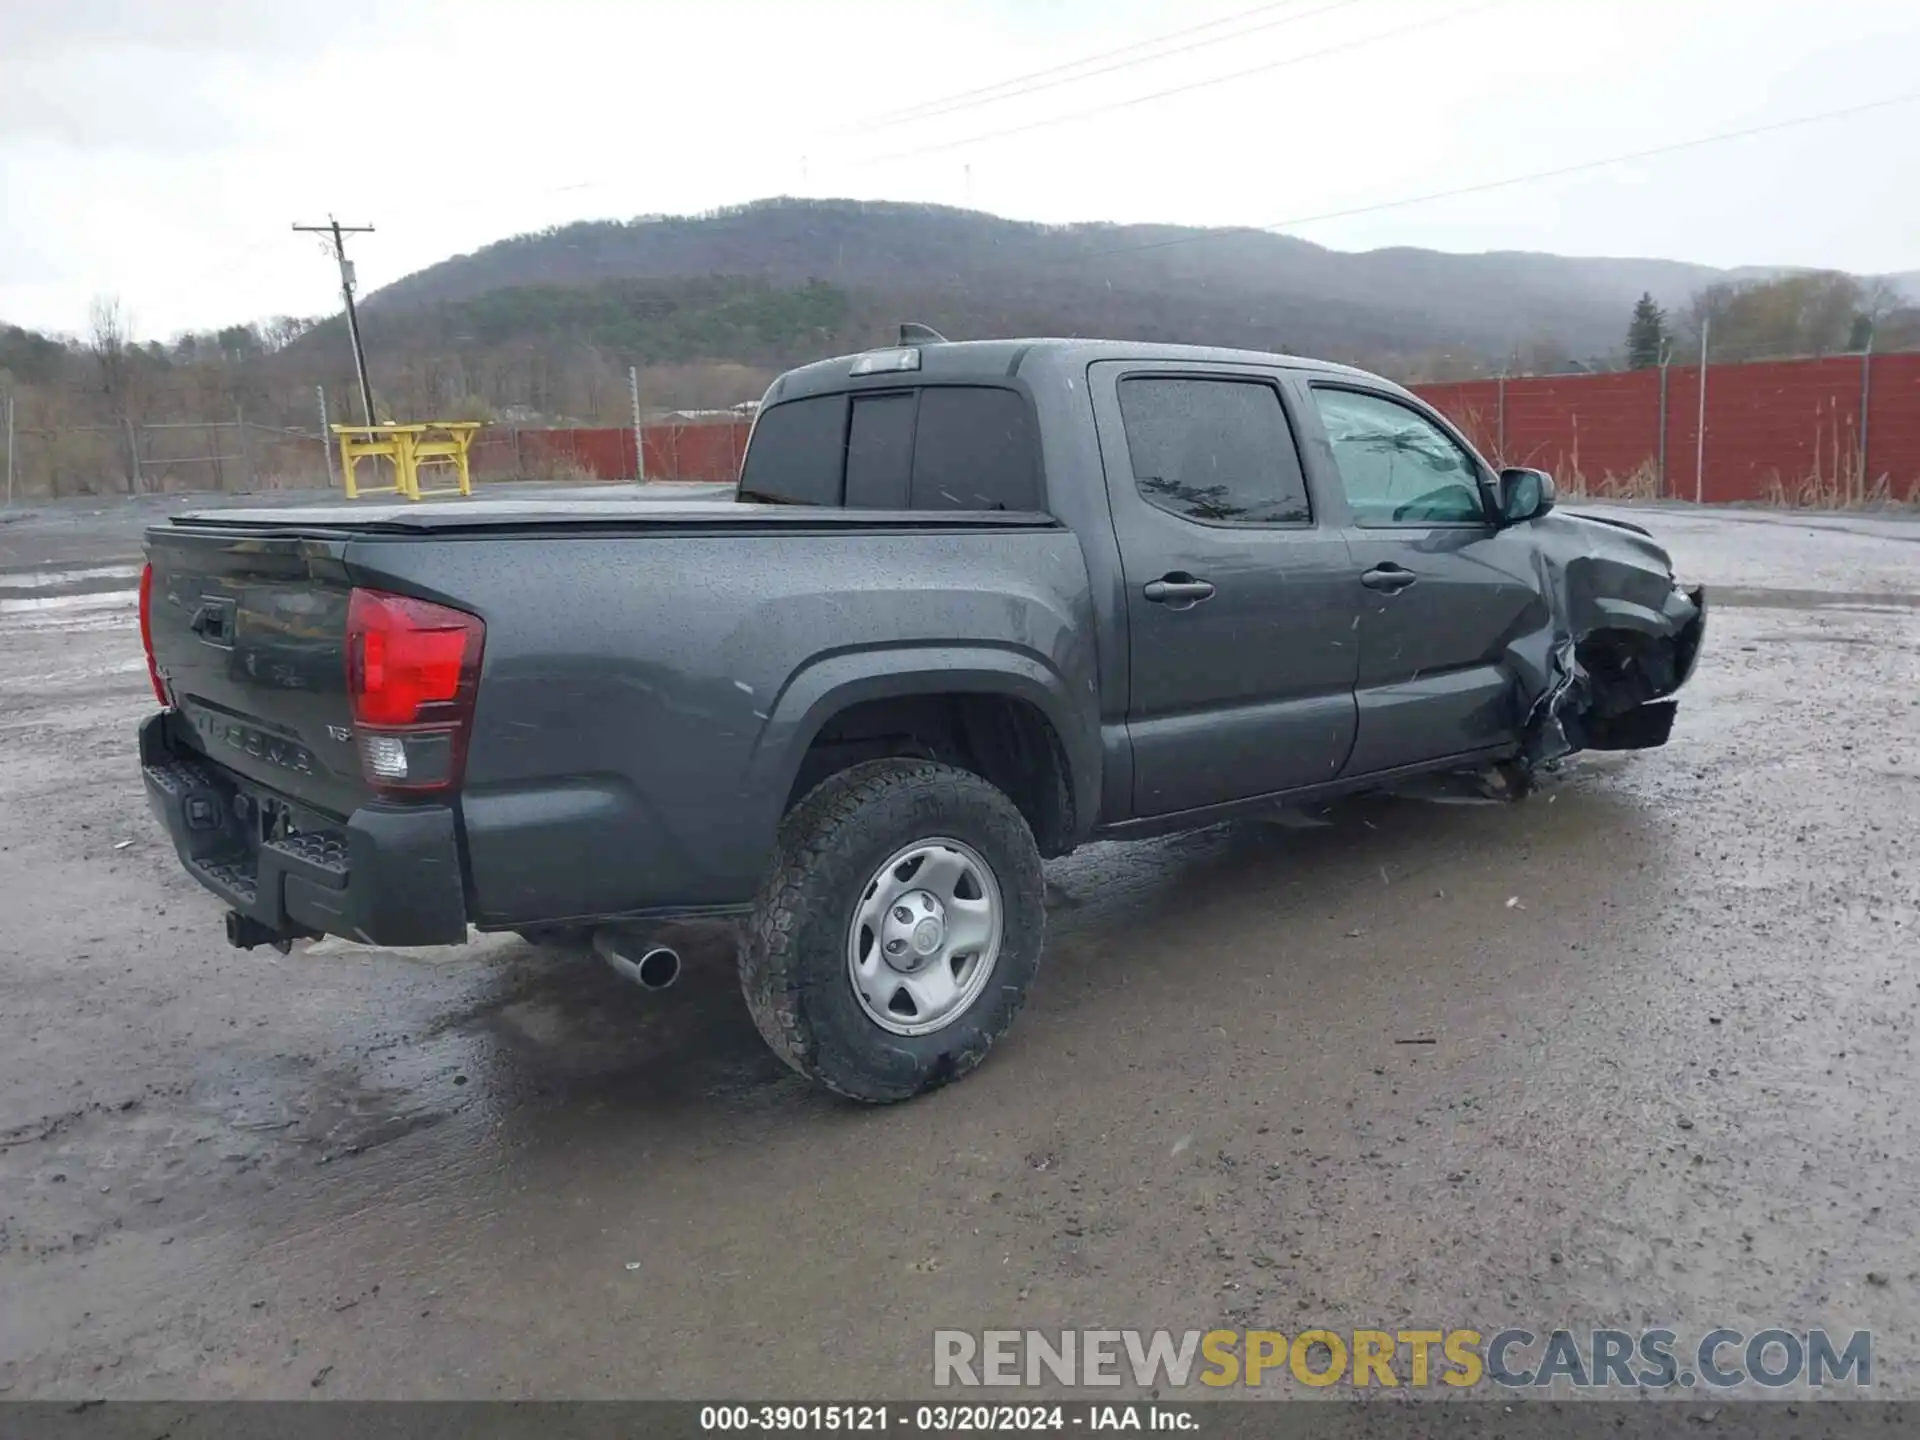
674, 452
1786, 432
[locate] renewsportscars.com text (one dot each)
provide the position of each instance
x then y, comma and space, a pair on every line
1511, 1358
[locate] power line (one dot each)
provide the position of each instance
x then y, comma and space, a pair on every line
1267, 68
986, 95
334, 228
912, 111
1527, 179
1017, 88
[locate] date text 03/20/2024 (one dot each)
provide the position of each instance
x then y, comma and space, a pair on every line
940, 1419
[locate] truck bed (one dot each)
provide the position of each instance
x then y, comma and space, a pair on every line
615, 513
650, 678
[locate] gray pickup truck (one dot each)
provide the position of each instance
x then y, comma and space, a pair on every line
972, 605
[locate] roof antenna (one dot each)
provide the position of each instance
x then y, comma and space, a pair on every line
912, 334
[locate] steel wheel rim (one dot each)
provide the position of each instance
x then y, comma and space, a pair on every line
925, 936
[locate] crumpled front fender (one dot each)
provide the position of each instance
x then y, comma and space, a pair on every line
1619, 638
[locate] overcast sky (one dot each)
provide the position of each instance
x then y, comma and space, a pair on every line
159, 150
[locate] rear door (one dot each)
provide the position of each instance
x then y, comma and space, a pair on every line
1442, 589
249, 631
1242, 598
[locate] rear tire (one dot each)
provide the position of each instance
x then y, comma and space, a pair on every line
919, 861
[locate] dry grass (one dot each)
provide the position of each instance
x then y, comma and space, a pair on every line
1486, 437
1837, 479
1815, 491
561, 469
1640, 483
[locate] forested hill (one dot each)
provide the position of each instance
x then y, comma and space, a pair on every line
969, 273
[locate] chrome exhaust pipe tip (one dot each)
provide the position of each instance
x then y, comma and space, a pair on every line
658, 968
651, 967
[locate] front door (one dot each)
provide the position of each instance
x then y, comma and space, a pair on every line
1242, 603
1442, 592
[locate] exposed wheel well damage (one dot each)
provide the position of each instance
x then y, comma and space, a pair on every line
1619, 638
1612, 686
1007, 742
1626, 668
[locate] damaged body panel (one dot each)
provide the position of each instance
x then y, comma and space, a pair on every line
1619, 637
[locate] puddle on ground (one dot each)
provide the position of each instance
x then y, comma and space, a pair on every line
97, 577
1760, 598
93, 600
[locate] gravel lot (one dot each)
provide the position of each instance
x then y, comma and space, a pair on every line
1672, 1002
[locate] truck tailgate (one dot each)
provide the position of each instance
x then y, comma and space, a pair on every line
249, 632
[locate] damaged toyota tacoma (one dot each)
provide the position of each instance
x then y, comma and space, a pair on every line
971, 605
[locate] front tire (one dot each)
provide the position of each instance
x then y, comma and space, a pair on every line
899, 930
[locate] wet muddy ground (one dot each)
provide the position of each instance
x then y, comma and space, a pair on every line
1638, 1051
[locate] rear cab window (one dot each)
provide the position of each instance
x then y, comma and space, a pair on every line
975, 450
933, 447
797, 454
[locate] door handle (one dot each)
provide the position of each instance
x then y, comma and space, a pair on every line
1179, 590
1389, 577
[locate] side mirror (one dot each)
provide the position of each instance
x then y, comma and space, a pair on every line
1525, 495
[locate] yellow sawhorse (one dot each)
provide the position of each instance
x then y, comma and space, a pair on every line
435, 445
376, 443
443, 445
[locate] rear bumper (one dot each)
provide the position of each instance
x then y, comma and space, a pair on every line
388, 875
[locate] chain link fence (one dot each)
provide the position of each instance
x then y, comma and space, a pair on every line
179, 457
135, 458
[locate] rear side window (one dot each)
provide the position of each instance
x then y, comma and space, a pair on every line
880, 451
974, 450
798, 453
1213, 449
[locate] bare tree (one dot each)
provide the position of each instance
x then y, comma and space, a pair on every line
283, 330
109, 343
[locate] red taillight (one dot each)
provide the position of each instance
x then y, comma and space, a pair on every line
412, 670
146, 635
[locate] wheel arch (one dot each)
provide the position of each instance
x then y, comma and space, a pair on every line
976, 690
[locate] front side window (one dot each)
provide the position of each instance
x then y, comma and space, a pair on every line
1397, 466
1213, 450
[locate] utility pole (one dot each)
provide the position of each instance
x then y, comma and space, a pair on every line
1700, 433
334, 228
326, 434
639, 432
1866, 400
1500, 422
1666, 359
